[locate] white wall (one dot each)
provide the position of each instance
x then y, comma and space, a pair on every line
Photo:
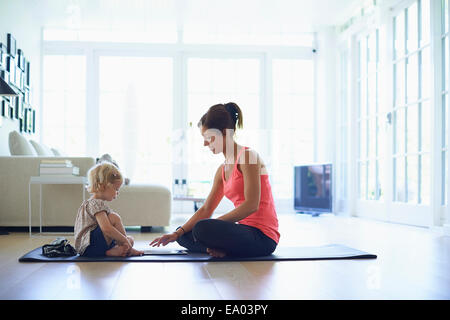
22, 20
326, 99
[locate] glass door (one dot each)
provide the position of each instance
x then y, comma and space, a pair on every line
371, 128
394, 120
411, 116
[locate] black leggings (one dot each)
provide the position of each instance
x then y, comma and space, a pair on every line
232, 238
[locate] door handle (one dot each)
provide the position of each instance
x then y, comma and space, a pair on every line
389, 118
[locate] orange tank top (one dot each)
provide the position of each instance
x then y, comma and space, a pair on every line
265, 218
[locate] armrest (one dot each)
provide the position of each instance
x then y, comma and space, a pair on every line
29, 165
15, 173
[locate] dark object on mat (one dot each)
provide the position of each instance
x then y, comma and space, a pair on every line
329, 252
58, 248
3, 231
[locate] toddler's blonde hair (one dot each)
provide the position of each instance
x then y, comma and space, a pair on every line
102, 174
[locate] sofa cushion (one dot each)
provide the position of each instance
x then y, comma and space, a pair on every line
56, 152
42, 150
19, 146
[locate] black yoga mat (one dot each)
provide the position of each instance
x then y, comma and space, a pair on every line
328, 252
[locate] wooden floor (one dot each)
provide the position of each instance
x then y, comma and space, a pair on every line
412, 263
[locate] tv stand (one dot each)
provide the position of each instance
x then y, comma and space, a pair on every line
312, 213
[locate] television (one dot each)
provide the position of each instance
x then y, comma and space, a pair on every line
313, 188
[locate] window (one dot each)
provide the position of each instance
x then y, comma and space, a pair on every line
293, 121
136, 97
64, 103
371, 147
412, 107
135, 116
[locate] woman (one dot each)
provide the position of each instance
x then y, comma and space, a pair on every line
251, 228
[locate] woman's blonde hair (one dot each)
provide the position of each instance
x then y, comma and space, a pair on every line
102, 174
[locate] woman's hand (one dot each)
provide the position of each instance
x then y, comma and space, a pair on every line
164, 240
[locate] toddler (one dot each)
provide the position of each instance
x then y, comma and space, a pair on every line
98, 230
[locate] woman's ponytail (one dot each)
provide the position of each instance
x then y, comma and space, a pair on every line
235, 113
222, 117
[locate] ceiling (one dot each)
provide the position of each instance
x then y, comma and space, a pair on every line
264, 15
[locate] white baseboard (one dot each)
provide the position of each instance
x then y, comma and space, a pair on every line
446, 229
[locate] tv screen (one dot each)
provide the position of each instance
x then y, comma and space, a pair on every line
312, 188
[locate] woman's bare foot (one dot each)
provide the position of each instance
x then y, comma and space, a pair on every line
134, 252
216, 253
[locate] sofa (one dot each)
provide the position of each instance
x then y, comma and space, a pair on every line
139, 205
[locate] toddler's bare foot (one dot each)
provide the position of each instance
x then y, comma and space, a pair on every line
117, 251
216, 253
